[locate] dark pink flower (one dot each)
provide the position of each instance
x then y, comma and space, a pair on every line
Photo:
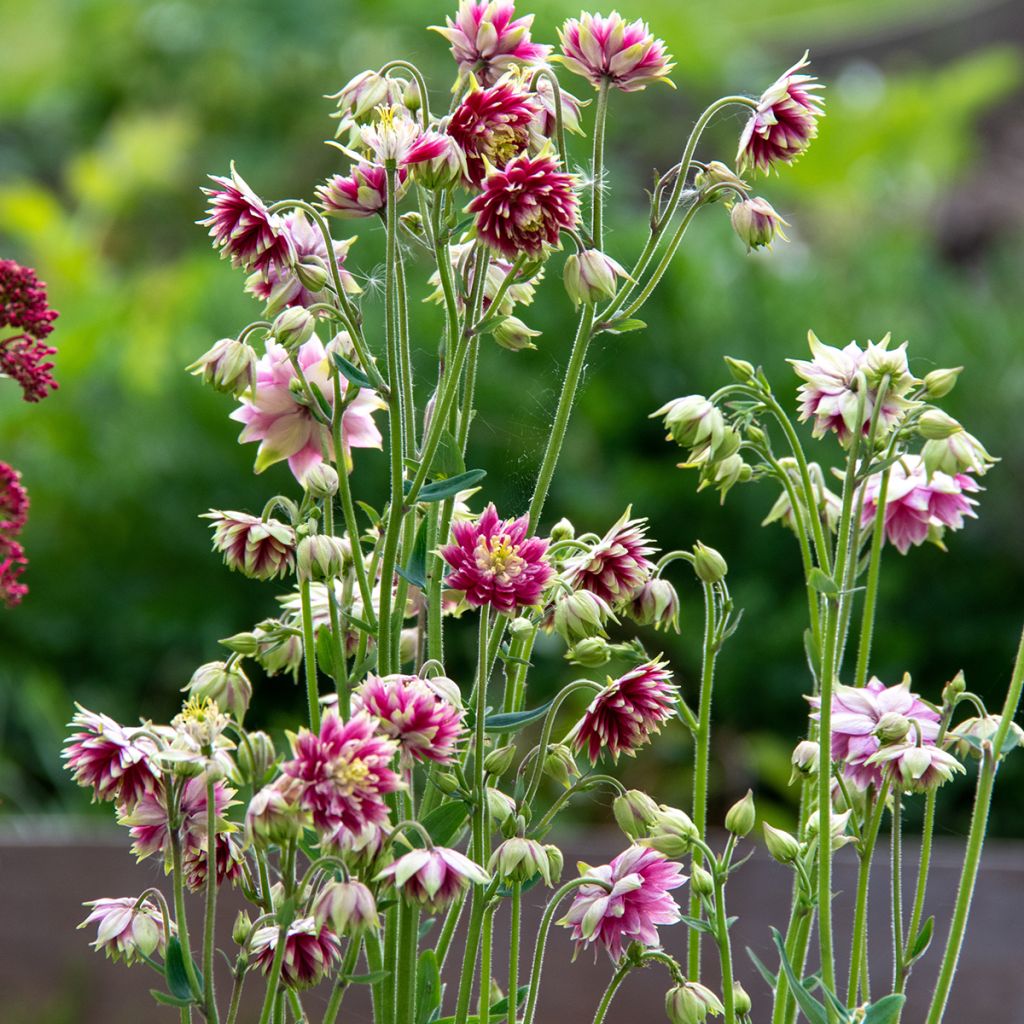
13, 501
785, 121
280, 286
362, 194
310, 952
436, 160
492, 125
24, 307
127, 929
488, 39
115, 761
284, 425
243, 228
229, 862
627, 712
12, 564
524, 207
425, 725
494, 562
617, 566
433, 877
346, 772
609, 49
638, 902
856, 714
919, 507
263, 549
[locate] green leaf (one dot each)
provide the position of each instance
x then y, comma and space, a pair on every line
624, 326
428, 986
921, 941
441, 489
174, 971
501, 1006
885, 1011
163, 997
424, 929
696, 923
351, 372
371, 513
812, 1009
506, 891
822, 582
368, 979
771, 979
326, 409
442, 823
415, 571
448, 461
509, 721
1012, 740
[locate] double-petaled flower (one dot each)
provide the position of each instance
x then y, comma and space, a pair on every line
611, 50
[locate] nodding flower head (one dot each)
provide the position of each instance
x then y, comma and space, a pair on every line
610, 49
433, 877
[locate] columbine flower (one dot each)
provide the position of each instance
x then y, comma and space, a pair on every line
348, 906
627, 712
492, 126
425, 726
655, 603
494, 562
227, 686
591, 276
639, 901
521, 860
960, 452
433, 877
785, 121
524, 207
617, 566
362, 194
488, 39
608, 49
856, 714
280, 286
830, 396
310, 952
227, 867
285, 427
436, 160
756, 223
828, 504
547, 119
127, 931
690, 1003
115, 761
24, 307
361, 95
519, 293
243, 228
918, 768
971, 733
345, 769
919, 507
262, 549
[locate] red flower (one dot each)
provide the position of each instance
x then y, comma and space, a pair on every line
525, 206
617, 566
12, 564
23, 306
310, 952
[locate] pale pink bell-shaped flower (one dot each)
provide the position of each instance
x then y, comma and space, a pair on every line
919, 507
310, 952
785, 121
433, 877
349, 907
641, 881
127, 929
113, 760
285, 427
525, 206
916, 767
610, 49
345, 771
494, 562
425, 725
627, 712
617, 566
488, 39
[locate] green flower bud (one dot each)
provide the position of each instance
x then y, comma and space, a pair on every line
591, 652
740, 369
672, 833
241, 928
521, 628
739, 820
935, 425
228, 687
255, 759
312, 274
635, 813
500, 805
690, 1003
939, 383
954, 688
708, 564
718, 173
319, 557
702, 882
447, 783
562, 530
510, 332
806, 755
560, 764
892, 727
246, 644
293, 327
740, 999
497, 762
322, 481
781, 845
591, 276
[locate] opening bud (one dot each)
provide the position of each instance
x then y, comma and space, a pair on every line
939, 383
805, 759
935, 425
781, 845
655, 604
510, 332
591, 652
293, 327
739, 819
501, 806
322, 481
229, 366
320, 557
591, 276
581, 614
708, 564
635, 813
756, 223
690, 1003
718, 173
228, 686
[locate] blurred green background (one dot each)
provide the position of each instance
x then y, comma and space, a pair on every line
906, 216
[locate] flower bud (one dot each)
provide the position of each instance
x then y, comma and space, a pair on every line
690, 1003
954, 688
781, 845
510, 332
591, 276
447, 783
312, 274
555, 863
411, 98
272, 818
447, 689
740, 369
718, 173
521, 860
497, 762
837, 828
348, 906
740, 999
560, 764
702, 882
228, 686
591, 652
972, 733
806, 755
500, 805
255, 758
939, 383
708, 564
672, 833
359, 97
319, 557
756, 223
521, 628
635, 813
321, 481
656, 604
581, 614
408, 644
935, 425
562, 530
229, 366
246, 644
241, 928
692, 420
739, 819
892, 727
293, 327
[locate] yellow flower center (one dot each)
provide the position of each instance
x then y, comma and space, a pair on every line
350, 774
498, 558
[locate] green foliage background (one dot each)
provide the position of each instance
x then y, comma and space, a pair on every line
112, 112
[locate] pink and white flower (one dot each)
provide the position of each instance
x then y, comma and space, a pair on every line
524, 207
433, 877
919, 507
916, 767
488, 39
424, 724
362, 193
436, 160
244, 229
495, 563
228, 864
348, 906
638, 902
627, 712
128, 929
115, 761
275, 416
310, 952
345, 771
609, 49
617, 566
785, 121
262, 549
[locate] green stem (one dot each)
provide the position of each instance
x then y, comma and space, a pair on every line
209, 993
309, 650
724, 950
797, 938
408, 924
236, 992
609, 993
513, 949
597, 190
923, 865
897, 890
486, 951
479, 738
865, 851
871, 589
466, 978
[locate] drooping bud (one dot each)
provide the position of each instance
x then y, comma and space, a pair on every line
227, 685
562, 530
692, 420
718, 173
312, 274
935, 425
255, 758
756, 223
781, 845
939, 383
837, 828
972, 733
591, 276
805, 758
741, 370
708, 564
229, 366
656, 604
560, 764
521, 628
739, 819
500, 805
521, 860
321, 481
497, 762
510, 332
635, 813
591, 652
272, 817
892, 727
319, 557
741, 999
581, 614
672, 833
690, 1003
293, 327
348, 906
702, 882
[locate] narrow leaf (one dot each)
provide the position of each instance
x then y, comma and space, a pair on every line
885, 1011
441, 489
368, 979
509, 721
167, 1000
822, 582
812, 1009
624, 326
771, 979
428, 986
921, 941
415, 570
696, 924
350, 371
448, 461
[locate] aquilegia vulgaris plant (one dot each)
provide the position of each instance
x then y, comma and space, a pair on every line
387, 837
